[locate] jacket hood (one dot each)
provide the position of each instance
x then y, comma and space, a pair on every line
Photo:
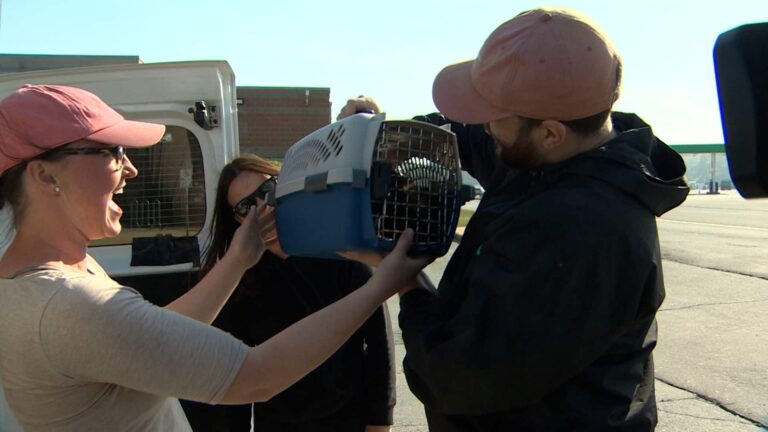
638, 163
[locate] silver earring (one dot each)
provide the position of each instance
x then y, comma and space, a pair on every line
57, 189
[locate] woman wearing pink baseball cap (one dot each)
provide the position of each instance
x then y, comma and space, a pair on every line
80, 352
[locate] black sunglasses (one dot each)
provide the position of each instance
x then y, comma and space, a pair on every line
117, 152
242, 206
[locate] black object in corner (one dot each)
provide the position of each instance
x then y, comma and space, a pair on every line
741, 66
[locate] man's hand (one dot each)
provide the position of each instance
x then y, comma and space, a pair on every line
377, 428
358, 105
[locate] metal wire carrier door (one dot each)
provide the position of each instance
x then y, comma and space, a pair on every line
415, 183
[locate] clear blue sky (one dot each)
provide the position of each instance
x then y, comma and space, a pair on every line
390, 49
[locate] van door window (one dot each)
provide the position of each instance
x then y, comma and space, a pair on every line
168, 196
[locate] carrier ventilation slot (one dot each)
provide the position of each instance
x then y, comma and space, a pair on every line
314, 152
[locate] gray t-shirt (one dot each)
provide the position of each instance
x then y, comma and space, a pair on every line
79, 352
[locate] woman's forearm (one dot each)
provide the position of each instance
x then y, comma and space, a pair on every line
288, 356
291, 354
204, 301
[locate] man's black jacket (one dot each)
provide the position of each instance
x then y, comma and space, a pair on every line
545, 317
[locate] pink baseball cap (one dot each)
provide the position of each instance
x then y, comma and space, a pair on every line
542, 64
37, 118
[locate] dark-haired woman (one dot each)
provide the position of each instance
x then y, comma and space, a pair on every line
353, 391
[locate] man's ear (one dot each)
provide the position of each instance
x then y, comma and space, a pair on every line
553, 133
40, 177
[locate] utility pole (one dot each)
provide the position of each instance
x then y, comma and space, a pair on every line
713, 186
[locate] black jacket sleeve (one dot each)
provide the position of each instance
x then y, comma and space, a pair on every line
538, 306
379, 360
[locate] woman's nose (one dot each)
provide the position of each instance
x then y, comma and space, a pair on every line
128, 168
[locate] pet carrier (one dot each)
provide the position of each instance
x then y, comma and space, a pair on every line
361, 181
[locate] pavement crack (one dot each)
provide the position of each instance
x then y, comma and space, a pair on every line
718, 269
705, 418
677, 399
712, 304
714, 402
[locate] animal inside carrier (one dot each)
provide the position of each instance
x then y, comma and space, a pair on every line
360, 182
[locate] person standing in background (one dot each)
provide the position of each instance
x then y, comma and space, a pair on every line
352, 391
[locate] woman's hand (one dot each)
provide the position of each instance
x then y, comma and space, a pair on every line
358, 105
204, 301
250, 238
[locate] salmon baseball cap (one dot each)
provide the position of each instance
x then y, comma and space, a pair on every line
542, 64
37, 118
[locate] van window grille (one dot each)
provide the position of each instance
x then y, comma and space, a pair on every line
168, 195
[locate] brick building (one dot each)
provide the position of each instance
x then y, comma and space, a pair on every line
270, 119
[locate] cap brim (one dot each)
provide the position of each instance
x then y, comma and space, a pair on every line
129, 133
456, 98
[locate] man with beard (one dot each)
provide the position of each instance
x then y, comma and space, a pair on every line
545, 316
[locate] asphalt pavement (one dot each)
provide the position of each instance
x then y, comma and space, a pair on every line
711, 359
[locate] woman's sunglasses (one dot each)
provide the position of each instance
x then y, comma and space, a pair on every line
117, 152
242, 206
